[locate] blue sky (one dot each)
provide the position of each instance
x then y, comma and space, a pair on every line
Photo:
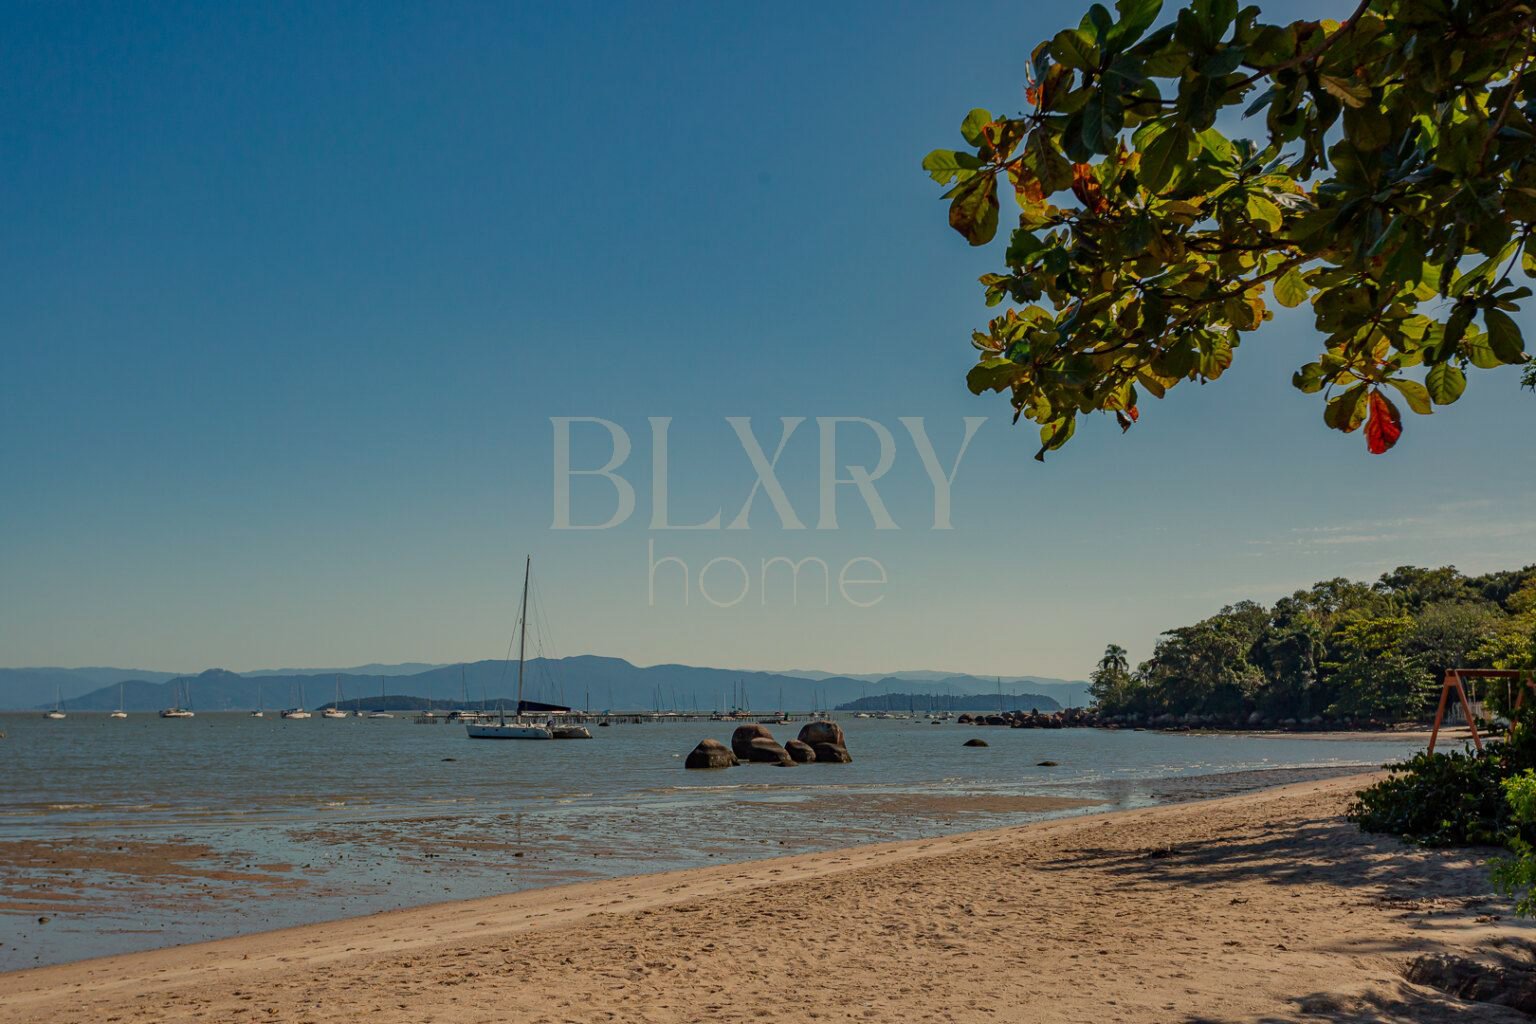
289, 295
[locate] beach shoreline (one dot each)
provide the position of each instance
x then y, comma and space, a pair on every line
1162, 901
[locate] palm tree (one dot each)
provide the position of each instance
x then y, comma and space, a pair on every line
1115, 662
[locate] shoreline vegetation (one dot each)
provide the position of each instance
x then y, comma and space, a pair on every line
1131, 916
1339, 654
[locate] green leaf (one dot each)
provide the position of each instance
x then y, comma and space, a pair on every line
1164, 156
1073, 49
944, 165
973, 212
1053, 169
1416, 394
1263, 210
971, 127
1351, 94
1445, 383
1136, 16
1504, 337
993, 375
1103, 117
1309, 378
1291, 289
1346, 410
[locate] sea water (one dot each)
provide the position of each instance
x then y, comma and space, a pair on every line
119, 834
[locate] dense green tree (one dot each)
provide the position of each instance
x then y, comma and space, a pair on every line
1204, 668
1391, 185
1110, 682
1374, 674
1340, 648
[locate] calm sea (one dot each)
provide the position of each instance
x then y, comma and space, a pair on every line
129, 834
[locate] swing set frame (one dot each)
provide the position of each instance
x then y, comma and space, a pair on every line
1524, 677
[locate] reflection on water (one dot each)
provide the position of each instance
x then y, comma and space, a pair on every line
132, 834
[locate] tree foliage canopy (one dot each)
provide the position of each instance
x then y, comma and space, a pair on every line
1392, 187
1342, 649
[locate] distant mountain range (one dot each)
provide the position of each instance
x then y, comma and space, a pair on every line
582, 681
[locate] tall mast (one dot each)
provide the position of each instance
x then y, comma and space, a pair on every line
522, 634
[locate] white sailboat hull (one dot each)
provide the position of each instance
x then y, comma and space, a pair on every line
495, 731
176, 713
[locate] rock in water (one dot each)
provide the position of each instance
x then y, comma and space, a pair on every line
832, 753
973, 742
741, 739
801, 752
711, 754
1045, 764
823, 731
766, 750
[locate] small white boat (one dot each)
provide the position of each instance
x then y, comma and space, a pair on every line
570, 732
380, 713
176, 710
120, 712
55, 714
58, 707
296, 713
258, 714
334, 711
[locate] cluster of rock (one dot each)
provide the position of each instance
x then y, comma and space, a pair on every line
1067, 718
819, 742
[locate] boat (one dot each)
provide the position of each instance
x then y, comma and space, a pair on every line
517, 729
569, 731
297, 711
381, 713
501, 729
334, 711
258, 713
57, 711
176, 710
119, 713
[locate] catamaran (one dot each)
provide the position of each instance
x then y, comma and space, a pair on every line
517, 729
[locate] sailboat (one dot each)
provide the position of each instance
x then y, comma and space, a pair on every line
517, 729
381, 713
176, 710
334, 711
58, 707
119, 713
258, 713
297, 712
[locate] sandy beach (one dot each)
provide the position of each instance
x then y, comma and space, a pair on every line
1257, 908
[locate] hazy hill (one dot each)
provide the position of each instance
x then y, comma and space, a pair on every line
31, 687
585, 680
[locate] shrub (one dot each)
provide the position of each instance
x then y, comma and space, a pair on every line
1452, 799
1517, 874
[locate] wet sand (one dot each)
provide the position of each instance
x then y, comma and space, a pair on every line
1264, 907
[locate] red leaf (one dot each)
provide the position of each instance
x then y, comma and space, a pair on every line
1086, 187
1384, 425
